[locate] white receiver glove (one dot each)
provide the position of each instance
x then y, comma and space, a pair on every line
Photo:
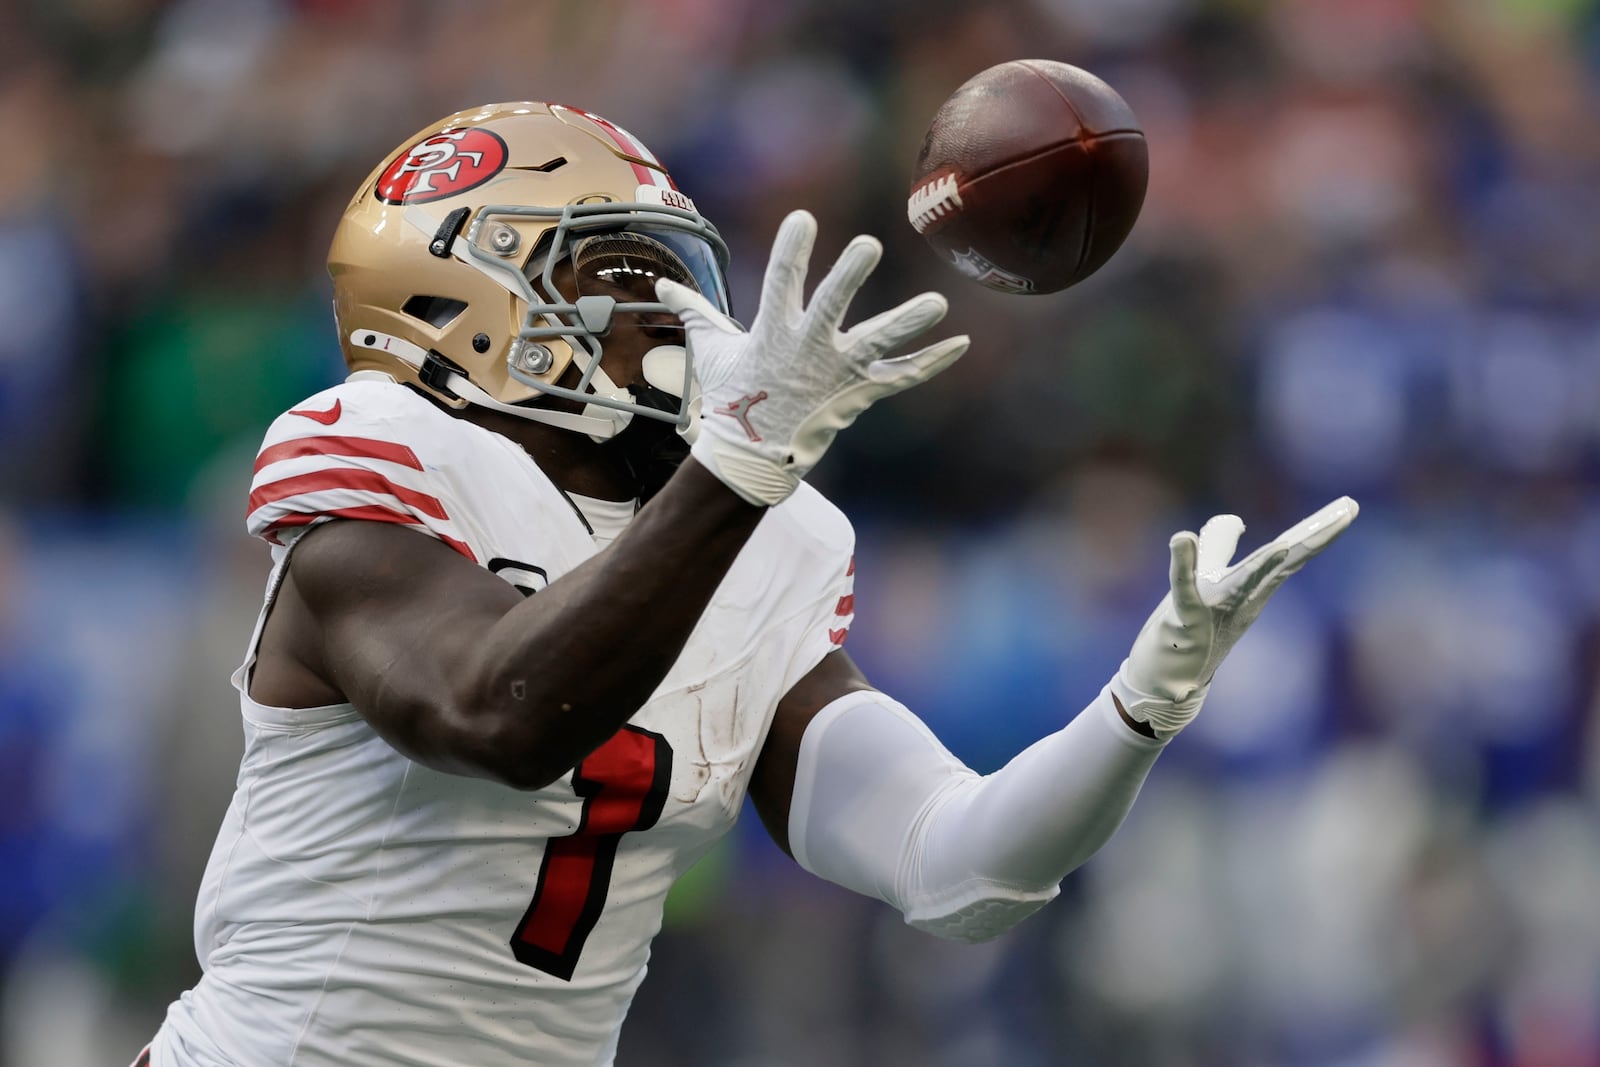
1165, 677
773, 398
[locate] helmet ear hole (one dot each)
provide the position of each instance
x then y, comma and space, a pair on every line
436, 311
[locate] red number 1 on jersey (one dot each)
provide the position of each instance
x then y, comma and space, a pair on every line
623, 784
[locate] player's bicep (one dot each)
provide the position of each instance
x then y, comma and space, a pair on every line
398, 618
772, 784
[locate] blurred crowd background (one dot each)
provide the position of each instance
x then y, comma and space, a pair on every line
1368, 264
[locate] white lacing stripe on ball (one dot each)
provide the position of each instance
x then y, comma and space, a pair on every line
933, 201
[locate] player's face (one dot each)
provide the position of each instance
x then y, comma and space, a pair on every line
632, 334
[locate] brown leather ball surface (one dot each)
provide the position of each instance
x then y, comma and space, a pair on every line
1031, 176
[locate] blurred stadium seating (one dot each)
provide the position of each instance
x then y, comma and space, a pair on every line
1369, 263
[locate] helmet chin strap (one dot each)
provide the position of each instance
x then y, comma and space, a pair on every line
598, 421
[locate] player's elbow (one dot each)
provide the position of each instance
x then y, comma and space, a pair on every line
526, 776
518, 733
517, 766
518, 755
965, 936
983, 917
508, 745
529, 730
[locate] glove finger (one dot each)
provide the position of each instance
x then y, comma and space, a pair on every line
1219, 537
1288, 552
1317, 531
783, 288
1266, 572
1275, 578
903, 372
888, 330
692, 309
1185, 548
834, 293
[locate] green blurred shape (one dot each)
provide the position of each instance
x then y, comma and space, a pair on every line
198, 373
702, 887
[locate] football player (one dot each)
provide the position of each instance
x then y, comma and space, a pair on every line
493, 706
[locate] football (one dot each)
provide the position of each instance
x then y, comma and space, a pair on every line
1030, 177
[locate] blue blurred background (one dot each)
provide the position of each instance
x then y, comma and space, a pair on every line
1368, 264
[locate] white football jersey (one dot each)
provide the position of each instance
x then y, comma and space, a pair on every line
361, 909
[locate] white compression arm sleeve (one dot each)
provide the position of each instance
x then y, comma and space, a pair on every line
881, 807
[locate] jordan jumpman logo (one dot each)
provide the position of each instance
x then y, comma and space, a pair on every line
740, 409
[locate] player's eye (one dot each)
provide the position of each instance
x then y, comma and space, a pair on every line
627, 263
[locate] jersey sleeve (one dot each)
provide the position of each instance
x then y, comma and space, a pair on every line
827, 545
837, 628
343, 455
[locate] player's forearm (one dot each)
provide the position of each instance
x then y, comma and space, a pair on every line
567, 667
882, 808
1039, 817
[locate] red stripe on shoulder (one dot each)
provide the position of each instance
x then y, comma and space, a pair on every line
838, 636
336, 445
460, 546
846, 605
367, 513
852, 568
345, 478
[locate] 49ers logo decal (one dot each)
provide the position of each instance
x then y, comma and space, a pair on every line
441, 165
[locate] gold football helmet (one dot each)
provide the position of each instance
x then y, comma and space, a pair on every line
445, 265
